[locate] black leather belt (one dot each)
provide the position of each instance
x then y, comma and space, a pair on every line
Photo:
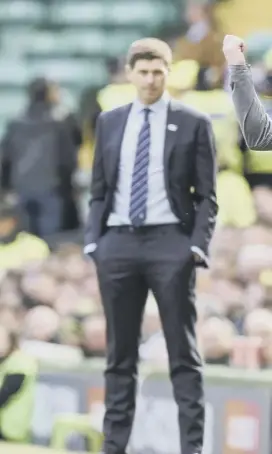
143, 228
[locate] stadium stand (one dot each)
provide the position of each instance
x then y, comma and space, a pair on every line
70, 41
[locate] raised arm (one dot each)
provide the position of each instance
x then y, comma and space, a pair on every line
255, 124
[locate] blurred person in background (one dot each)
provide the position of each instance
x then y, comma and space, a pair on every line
182, 78
17, 247
18, 377
41, 323
38, 159
119, 91
208, 96
263, 201
203, 39
94, 336
216, 338
144, 232
62, 112
38, 287
258, 324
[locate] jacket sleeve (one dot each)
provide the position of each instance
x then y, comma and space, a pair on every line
93, 228
205, 188
11, 385
255, 124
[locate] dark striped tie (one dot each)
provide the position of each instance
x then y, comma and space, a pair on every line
139, 185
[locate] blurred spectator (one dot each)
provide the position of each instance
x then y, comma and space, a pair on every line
235, 200
38, 160
119, 91
94, 336
203, 40
61, 112
18, 375
58, 301
208, 95
38, 288
42, 323
258, 323
182, 77
17, 248
216, 340
263, 199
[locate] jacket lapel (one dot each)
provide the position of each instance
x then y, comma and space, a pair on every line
119, 128
170, 133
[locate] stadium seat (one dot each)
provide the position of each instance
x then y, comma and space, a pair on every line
15, 42
118, 43
11, 103
21, 11
13, 72
258, 44
79, 12
70, 71
120, 12
144, 13
65, 425
67, 43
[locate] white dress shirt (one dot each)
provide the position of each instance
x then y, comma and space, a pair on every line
158, 206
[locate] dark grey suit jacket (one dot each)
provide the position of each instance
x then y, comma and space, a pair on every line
189, 170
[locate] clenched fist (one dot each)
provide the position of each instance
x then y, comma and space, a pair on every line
234, 48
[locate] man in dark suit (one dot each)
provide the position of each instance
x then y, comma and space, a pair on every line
151, 219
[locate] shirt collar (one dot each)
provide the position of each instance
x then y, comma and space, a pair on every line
162, 103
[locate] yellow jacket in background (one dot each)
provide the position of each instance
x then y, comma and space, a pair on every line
24, 249
182, 77
116, 95
16, 416
258, 162
218, 105
235, 200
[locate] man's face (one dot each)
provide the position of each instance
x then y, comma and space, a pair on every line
7, 225
54, 94
149, 78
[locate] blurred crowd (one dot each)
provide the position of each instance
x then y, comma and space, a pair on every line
50, 294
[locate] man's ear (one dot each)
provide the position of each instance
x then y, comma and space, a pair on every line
128, 71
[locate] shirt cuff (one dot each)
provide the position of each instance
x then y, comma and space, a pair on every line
236, 71
199, 252
90, 248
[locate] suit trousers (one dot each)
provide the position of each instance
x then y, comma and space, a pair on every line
130, 261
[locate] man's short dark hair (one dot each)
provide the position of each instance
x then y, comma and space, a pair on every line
149, 49
38, 90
